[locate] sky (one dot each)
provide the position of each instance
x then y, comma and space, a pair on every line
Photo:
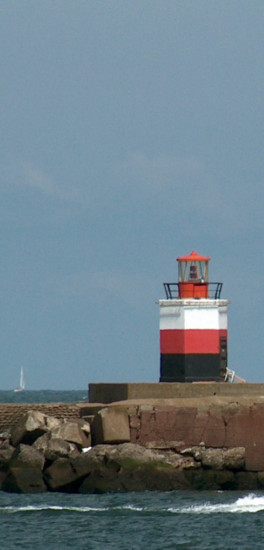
131, 133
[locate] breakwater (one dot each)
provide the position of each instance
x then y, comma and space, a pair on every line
196, 442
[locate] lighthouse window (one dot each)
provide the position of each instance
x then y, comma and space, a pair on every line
182, 271
193, 275
204, 271
193, 271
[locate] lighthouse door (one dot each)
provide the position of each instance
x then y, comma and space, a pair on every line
223, 357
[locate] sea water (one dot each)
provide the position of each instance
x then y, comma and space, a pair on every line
43, 396
133, 521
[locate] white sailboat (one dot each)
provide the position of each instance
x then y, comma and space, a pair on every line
22, 384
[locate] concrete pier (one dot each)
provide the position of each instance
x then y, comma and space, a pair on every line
112, 392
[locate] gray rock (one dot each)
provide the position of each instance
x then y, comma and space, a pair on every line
212, 458
84, 425
234, 458
208, 479
85, 463
58, 448
132, 451
29, 427
4, 436
180, 462
195, 452
73, 432
126, 456
128, 467
260, 476
42, 442
26, 456
53, 447
24, 480
60, 475
35, 424
133, 476
220, 459
248, 481
6, 453
52, 423
111, 426
3, 475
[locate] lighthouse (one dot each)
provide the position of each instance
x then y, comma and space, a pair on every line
193, 325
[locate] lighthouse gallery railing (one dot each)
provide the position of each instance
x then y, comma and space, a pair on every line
172, 290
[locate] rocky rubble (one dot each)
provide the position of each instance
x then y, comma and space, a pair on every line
42, 453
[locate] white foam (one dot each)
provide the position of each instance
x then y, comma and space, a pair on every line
130, 507
15, 509
248, 504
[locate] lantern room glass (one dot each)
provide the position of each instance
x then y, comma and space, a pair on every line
193, 271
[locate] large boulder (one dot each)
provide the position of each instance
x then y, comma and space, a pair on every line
58, 448
208, 479
149, 476
24, 474
24, 480
84, 425
29, 427
74, 432
212, 458
234, 458
247, 481
60, 476
88, 461
127, 467
217, 459
42, 443
119, 455
53, 447
52, 423
130, 451
111, 426
3, 476
35, 424
6, 452
26, 456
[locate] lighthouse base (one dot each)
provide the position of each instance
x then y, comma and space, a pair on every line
192, 368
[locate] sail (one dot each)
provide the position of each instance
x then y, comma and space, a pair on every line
22, 379
22, 383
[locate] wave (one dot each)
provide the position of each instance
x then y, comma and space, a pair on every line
45, 508
81, 509
247, 504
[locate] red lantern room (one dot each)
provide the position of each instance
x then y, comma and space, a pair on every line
193, 276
